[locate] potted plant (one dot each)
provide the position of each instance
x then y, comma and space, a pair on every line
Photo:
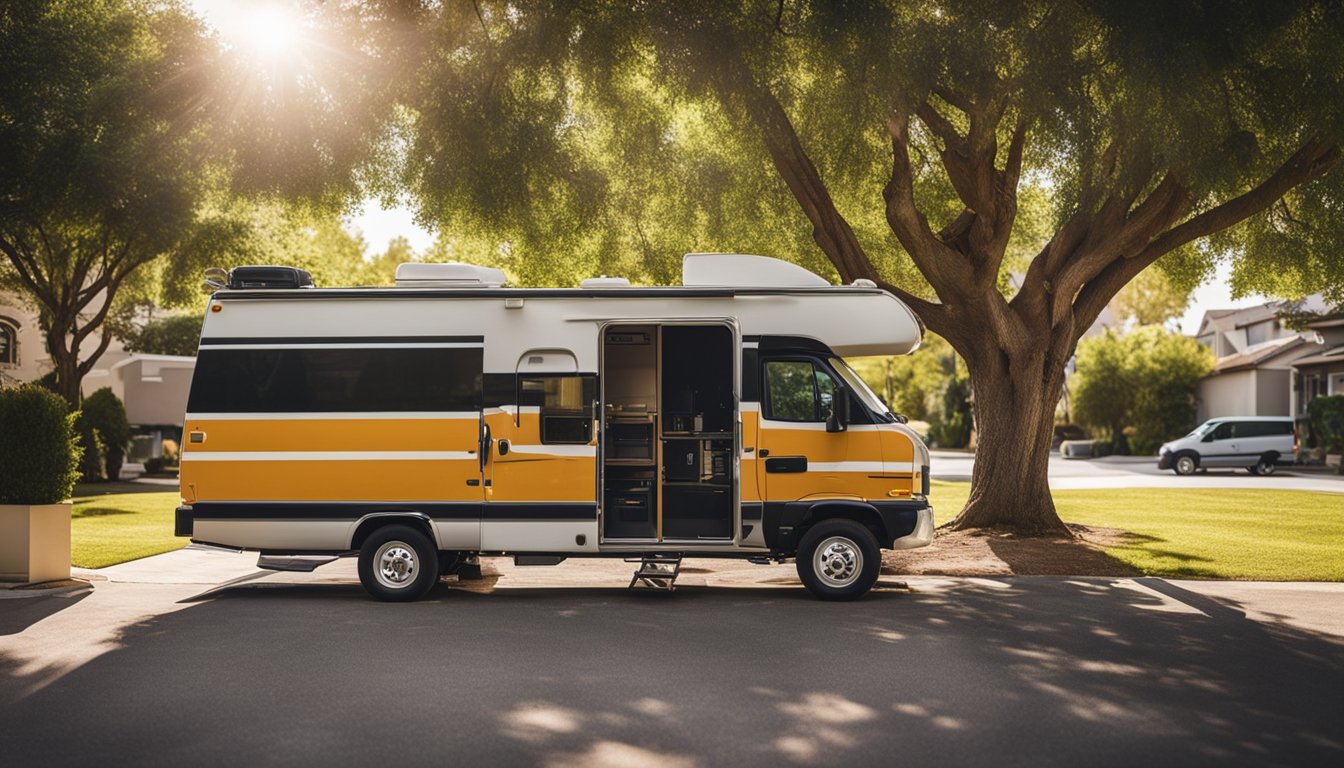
39, 462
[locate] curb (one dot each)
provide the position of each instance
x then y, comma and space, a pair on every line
20, 591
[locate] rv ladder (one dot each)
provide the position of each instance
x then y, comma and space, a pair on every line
656, 571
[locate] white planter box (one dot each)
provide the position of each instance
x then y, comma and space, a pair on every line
1332, 460
34, 542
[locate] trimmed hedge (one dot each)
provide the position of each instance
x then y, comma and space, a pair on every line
39, 459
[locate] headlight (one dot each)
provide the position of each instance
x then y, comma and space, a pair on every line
1164, 449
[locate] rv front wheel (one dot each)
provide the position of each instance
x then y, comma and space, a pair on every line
398, 563
838, 560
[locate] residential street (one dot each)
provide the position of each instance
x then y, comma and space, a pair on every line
1142, 472
562, 666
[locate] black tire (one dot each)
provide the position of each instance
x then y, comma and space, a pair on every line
845, 539
1186, 464
1266, 466
411, 569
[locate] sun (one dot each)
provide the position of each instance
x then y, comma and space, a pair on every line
269, 31
272, 30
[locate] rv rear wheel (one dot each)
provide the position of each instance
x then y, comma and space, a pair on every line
398, 563
838, 560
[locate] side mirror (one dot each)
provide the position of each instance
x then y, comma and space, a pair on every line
838, 420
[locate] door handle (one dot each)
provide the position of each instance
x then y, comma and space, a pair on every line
485, 445
764, 452
503, 446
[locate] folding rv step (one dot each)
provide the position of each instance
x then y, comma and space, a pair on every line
656, 571
295, 563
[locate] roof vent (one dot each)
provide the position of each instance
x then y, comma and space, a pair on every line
605, 282
453, 274
737, 270
268, 277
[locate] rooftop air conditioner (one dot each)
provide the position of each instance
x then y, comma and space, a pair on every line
453, 274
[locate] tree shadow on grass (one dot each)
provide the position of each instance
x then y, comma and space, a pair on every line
100, 512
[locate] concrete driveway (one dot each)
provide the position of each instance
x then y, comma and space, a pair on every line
1142, 472
563, 667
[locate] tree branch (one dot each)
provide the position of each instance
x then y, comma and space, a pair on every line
831, 232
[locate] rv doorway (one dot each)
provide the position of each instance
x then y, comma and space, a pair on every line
669, 433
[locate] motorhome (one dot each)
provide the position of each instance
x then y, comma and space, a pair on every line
451, 416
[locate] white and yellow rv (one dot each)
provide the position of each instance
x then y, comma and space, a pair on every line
448, 417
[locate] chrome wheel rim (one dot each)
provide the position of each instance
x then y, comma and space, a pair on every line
837, 562
396, 565
1266, 469
1185, 465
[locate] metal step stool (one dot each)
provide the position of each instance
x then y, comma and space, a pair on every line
656, 571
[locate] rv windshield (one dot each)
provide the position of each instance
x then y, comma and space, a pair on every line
860, 388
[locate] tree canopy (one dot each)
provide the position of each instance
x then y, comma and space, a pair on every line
102, 165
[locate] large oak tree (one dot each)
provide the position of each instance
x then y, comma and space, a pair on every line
898, 137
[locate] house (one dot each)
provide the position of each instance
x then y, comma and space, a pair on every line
1321, 372
1254, 352
152, 387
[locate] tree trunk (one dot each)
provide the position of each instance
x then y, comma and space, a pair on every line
66, 363
1014, 421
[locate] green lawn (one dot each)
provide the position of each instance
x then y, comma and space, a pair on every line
1205, 533
117, 527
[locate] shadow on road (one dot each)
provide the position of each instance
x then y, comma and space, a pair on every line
1023, 671
18, 614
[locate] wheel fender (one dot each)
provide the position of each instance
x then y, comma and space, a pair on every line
1192, 454
798, 516
371, 522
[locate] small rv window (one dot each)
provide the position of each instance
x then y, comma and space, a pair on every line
566, 406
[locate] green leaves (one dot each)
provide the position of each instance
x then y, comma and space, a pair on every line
1144, 380
37, 447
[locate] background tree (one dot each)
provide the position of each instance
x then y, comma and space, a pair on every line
896, 139
1152, 298
102, 168
1144, 380
170, 335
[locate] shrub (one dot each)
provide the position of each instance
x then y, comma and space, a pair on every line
37, 447
1140, 386
1327, 421
170, 451
102, 423
155, 465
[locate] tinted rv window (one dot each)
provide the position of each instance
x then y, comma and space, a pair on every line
566, 405
341, 380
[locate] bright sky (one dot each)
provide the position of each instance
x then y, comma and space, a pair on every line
379, 226
1216, 293
266, 27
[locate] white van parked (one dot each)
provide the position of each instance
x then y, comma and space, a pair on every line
1258, 443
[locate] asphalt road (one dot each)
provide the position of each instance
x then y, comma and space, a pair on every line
1142, 472
1020, 672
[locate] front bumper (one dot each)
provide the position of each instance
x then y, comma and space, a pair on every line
922, 535
1166, 460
